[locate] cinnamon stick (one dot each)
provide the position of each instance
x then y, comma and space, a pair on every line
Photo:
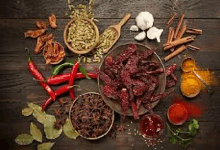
181, 32
176, 52
194, 31
170, 21
194, 48
179, 25
170, 35
178, 42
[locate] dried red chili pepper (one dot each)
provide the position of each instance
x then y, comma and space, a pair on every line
110, 92
52, 21
134, 110
41, 24
126, 53
169, 70
36, 73
72, 78
124, 100
34, 33
58, 92
58, 79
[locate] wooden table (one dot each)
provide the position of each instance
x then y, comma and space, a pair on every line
17, 86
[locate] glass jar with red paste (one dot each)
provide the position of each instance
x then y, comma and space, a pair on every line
151, 126
177, 114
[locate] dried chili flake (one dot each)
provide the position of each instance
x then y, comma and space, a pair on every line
126, 53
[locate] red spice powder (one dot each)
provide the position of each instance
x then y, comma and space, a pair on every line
177, 114
194, 110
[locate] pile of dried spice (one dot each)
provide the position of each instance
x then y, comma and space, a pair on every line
81, 34
81, 10
188, 66
90, 116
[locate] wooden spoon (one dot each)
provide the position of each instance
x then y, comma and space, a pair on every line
117, 28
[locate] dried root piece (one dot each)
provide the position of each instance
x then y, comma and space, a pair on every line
53, 21
34, 33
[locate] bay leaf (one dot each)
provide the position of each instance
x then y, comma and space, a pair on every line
38, 113
69, 131
27, 111
24, 139
50, 131
35, 132
45, 146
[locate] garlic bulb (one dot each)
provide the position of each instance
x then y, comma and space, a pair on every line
154, 33
134, 28
141, 36
145, 20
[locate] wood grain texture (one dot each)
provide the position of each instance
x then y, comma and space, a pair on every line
111, 8
17, 86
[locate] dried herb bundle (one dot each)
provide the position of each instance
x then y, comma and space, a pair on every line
90, 116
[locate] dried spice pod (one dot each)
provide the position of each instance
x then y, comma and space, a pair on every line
53, 52
90, 116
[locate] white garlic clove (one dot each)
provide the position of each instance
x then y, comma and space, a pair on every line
144, 20
141, 36
134, 28
154, 33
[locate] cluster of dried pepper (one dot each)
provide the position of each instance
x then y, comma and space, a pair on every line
132, 79
90, 116
53, 51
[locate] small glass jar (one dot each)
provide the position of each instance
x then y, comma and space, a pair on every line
151, 126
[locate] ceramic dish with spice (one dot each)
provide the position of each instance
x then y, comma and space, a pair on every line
90, 116
112, 96
81, 35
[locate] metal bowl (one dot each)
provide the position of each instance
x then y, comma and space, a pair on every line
114, 104
88, 138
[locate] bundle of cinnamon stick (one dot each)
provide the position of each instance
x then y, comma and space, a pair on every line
176, 43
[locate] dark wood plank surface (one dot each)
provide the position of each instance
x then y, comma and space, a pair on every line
17, 86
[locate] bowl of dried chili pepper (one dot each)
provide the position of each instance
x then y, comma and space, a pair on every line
132, 79
90, 116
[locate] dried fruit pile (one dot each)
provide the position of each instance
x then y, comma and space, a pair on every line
90, 116
53, 51
131, 78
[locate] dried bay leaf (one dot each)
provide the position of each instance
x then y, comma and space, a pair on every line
69, 131
24, 139
38, 113
50, 131
45, 146
27, 111
35, 132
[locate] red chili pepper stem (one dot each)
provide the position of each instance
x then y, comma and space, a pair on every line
29, 58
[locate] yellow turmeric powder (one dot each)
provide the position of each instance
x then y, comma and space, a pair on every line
190, 84
207, 75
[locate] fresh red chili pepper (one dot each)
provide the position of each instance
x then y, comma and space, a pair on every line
61, 78
72, 78
36, 73
58, 92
